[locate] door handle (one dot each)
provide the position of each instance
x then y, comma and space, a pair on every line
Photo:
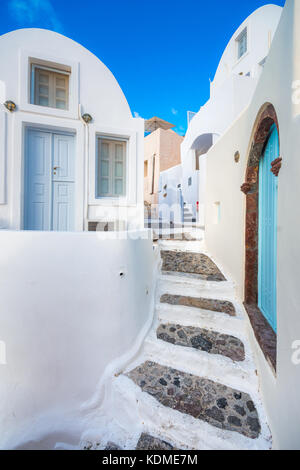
56, 167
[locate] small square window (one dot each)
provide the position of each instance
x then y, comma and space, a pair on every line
242, 41
111, 168
49, 87
145, 168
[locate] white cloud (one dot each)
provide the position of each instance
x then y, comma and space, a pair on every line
174, 111
38, 13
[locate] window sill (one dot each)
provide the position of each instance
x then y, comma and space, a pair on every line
115, 202
264, 334
46, 111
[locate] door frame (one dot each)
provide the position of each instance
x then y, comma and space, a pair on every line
51, 131
264, 333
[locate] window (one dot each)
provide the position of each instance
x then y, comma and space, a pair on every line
49, 87
242, 41
153, 175
190, 181
111, 168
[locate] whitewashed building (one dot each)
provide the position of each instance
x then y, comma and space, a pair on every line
71, 153
73, 302
86, 356
230, 92
256, 233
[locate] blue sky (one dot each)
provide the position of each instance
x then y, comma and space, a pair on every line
162, 52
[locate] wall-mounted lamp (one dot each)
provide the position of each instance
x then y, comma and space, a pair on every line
10, 105
87, 118
237, 157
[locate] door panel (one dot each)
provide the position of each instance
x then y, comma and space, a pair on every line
267, 270
63, 206
63, 158
63, 172
37, 208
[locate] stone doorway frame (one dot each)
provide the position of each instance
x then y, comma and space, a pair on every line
264, 334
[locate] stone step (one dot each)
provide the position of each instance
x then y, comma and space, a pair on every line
208, 319
173, 235
197, 265
148, 442
216, 367
201, 398
186, 285
189, 246
201, 339
213, 305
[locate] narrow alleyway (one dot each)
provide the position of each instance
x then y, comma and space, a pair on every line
194, 384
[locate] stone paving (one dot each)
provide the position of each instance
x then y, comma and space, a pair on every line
112, 446
191, 263
205, 304
148, 442
201, 398
204, 340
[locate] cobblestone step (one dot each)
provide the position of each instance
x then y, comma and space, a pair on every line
196, 264
188, 285
201, 339
148, 442
200, 303
172, 235
207, 319
193, 384
201, 398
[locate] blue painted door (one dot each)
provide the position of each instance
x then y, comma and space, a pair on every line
49, 181
267, 256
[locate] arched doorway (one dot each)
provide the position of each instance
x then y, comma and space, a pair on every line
260, 188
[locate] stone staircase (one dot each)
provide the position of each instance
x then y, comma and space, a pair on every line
194, 384
188, 217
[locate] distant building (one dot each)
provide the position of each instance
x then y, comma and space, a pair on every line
162, 152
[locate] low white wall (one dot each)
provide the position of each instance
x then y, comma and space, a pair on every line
66, 313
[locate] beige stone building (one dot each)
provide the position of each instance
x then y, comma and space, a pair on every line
162, 151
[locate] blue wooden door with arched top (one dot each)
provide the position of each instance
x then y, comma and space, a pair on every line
267, 236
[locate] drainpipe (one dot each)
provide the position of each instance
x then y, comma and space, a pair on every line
86, 170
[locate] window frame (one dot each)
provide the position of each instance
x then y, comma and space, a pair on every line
111, 196
240, 37
34, 67
29, 56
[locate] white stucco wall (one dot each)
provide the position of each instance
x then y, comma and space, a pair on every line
66, 314
226, 240
93, 90
231, 92
261, 26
